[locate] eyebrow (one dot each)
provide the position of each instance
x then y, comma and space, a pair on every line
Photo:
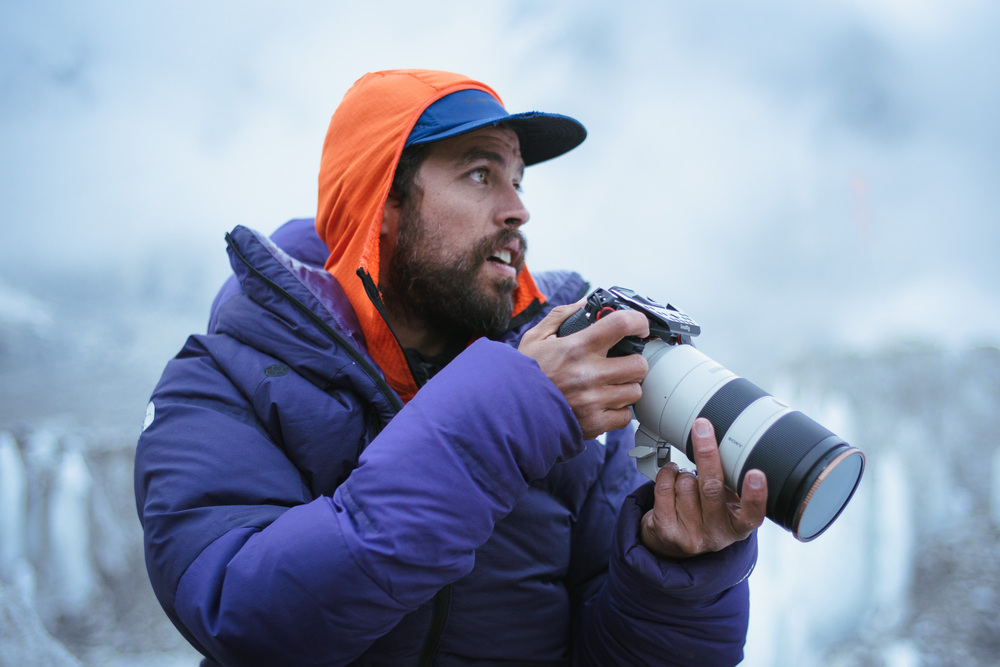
475, 154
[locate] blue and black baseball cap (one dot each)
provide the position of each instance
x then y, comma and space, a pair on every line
543, 136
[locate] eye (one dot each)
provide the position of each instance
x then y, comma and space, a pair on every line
479, 175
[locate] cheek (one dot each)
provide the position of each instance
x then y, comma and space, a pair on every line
458, 238
453, 227
456, 217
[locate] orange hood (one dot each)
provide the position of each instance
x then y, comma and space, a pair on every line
366, 137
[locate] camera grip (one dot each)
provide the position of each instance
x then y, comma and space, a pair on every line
578, 321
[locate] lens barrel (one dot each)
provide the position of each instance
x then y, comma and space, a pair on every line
811, 472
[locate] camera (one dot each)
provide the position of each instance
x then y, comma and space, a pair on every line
811, 472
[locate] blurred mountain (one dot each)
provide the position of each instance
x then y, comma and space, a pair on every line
87, 348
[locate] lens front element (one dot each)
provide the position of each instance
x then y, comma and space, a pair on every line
828, 494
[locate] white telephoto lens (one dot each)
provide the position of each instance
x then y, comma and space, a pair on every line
811, 473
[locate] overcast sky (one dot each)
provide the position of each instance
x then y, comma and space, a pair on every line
790, 174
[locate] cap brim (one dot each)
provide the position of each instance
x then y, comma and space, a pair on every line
543, 136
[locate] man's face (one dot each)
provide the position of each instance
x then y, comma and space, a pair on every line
458, 248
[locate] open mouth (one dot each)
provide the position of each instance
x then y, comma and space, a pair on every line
508, 251
502, 257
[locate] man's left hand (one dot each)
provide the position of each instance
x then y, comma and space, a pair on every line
695, 513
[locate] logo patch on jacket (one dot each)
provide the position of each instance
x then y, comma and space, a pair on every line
150, 414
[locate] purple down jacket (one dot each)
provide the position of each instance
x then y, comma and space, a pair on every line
295, 513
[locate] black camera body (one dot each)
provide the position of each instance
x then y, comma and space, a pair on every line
667, 323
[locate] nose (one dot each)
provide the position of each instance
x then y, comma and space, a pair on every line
513, 212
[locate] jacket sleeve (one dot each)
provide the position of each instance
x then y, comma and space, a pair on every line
287, 579
646, 610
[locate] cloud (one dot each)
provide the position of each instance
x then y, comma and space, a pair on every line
774, 163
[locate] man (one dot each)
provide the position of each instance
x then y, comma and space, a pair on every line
389, 459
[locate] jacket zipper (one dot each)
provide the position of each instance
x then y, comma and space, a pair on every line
442, 599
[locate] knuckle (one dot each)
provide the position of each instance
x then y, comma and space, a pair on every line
631, 319
638, 319
623, 322
664, 485
713, 488
687, 482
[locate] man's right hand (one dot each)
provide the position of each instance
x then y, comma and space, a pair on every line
599, 388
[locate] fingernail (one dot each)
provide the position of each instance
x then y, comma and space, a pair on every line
755, 480
702, 428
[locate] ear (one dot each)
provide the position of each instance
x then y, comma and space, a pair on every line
390, 228
390, 217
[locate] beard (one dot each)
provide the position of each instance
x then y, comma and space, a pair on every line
445, 293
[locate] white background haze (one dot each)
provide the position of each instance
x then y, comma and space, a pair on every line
801, 178
798, 174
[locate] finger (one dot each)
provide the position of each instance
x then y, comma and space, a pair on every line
660, 525
618, 396
606, 420
753, 503
628, 370
687, 499
608, 330
664, 497
711, 481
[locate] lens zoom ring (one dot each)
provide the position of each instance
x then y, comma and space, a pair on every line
777, 452
726, 405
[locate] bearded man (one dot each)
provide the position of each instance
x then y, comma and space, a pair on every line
382, 452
